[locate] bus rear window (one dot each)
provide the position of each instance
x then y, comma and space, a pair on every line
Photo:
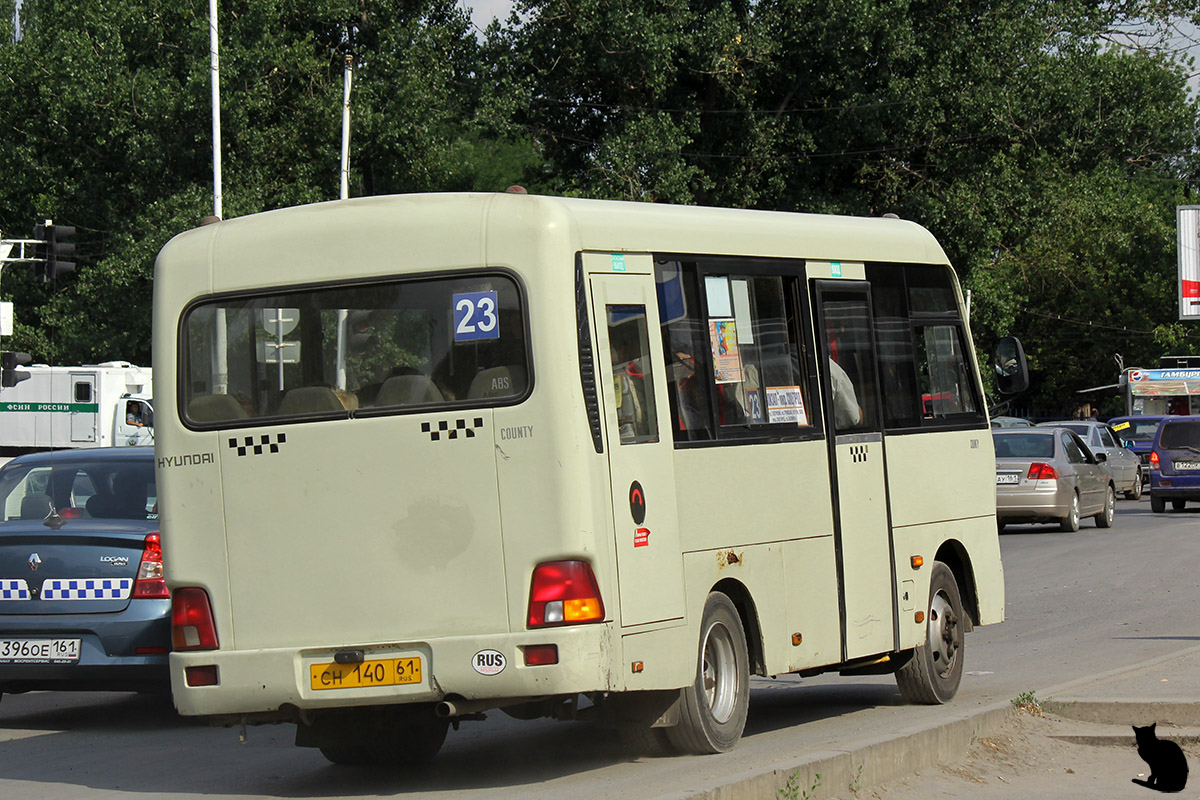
360, 350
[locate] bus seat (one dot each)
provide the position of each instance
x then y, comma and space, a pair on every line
215, 408
497, 382
35, 506
408, 390
310, 399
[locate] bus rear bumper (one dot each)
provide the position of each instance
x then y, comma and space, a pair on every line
279, 681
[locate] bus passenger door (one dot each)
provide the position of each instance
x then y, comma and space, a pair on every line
862, 527
638, 443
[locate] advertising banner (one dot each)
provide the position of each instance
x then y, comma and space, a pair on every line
1188, 225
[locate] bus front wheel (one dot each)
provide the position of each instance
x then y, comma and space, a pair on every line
933, 673
712, 711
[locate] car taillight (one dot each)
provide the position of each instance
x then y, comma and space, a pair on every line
1041, 471
150, 583
1154, 460
564, 593
192, 626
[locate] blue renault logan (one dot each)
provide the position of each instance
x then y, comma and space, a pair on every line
83, 603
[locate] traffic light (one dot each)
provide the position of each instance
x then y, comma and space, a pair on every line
55, 251
359, 329
9, 374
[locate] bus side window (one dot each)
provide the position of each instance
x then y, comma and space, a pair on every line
946, 377
633, 381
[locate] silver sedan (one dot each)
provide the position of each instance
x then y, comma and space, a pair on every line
1050, 475
1124, 464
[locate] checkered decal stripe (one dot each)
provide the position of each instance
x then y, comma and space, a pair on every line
257, 445
859, 453
443, 427
87, 589
13, 590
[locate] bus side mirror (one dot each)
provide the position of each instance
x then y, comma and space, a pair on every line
1009, 365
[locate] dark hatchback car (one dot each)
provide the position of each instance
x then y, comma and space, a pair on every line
83, 604
1175, 464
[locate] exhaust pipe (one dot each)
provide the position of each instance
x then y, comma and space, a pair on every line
461, 707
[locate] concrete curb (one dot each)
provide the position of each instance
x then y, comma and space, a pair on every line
1181, 713
865, 763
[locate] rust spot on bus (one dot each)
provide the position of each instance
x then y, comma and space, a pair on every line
727, 558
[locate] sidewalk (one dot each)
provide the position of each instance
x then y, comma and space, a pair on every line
1072, 742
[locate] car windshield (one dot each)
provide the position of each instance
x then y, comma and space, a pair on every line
1180, 436
1024, 445
1138, 430
79, 489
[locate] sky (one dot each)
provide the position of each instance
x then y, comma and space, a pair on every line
484, 11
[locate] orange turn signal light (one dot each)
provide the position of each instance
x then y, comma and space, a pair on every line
919, 616
917, 561
583, 609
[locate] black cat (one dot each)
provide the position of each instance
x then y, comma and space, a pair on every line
1168, 766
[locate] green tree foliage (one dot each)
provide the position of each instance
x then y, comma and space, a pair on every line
1046, 159
1043, 149
107, 127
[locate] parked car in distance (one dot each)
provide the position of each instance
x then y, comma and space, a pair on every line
83, 603
1011, 422
1125, 466
1175, 464
1049, 475
1137, 434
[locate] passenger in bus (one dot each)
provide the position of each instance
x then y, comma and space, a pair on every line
689, 392
847, 413
631, 398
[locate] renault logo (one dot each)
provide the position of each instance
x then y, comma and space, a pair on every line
34, 561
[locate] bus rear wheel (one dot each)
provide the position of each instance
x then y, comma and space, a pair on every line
409, 744
388, 736
351, 755
713, 710
932, 675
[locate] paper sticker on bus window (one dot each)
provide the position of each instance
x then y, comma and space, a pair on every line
727, 361
1120, 426
717, 289
786, 404
741, 311
476, 316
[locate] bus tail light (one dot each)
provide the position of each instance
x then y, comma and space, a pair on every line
1154, 460
564, 593
150, 583
1039, 470
192, 626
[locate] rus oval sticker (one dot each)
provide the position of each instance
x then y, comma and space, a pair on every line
489, 662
